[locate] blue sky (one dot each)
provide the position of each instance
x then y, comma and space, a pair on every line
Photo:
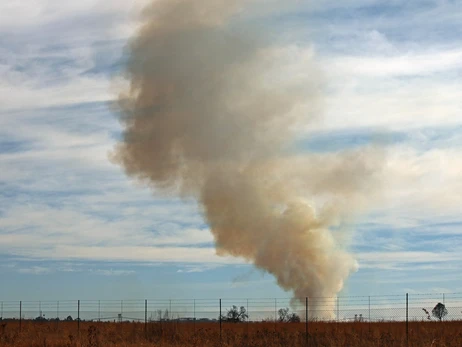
72, 225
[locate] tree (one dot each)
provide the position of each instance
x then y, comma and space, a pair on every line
285, 316
69, 318
439, 311
163, 316
236, 315
427, 313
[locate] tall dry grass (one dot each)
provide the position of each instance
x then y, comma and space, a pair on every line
170, 334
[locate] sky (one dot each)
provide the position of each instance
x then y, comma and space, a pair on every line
73, 226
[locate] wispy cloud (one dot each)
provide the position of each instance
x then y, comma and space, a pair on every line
199, 268
26, 267
35, 270
112, 272
108, 253
408, 64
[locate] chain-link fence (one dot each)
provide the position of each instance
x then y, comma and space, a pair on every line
341, 309
344, 309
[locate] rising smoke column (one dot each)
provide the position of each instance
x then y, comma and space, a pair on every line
210, 113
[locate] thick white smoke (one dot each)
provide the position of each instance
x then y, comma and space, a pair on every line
206, 115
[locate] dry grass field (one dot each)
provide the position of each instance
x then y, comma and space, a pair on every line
65, 334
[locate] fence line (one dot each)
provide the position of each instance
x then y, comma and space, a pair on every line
339, 309
344, 309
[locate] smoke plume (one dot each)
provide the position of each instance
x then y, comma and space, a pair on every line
211, 113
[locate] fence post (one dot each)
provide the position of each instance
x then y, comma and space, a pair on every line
369, 308
407, 319
248, 315
20, 315
194, 315
370, 313
78, 317
220, 322
306, 321
145, 318
275, 313
338, 309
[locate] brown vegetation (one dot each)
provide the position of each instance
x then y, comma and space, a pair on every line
169, 334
